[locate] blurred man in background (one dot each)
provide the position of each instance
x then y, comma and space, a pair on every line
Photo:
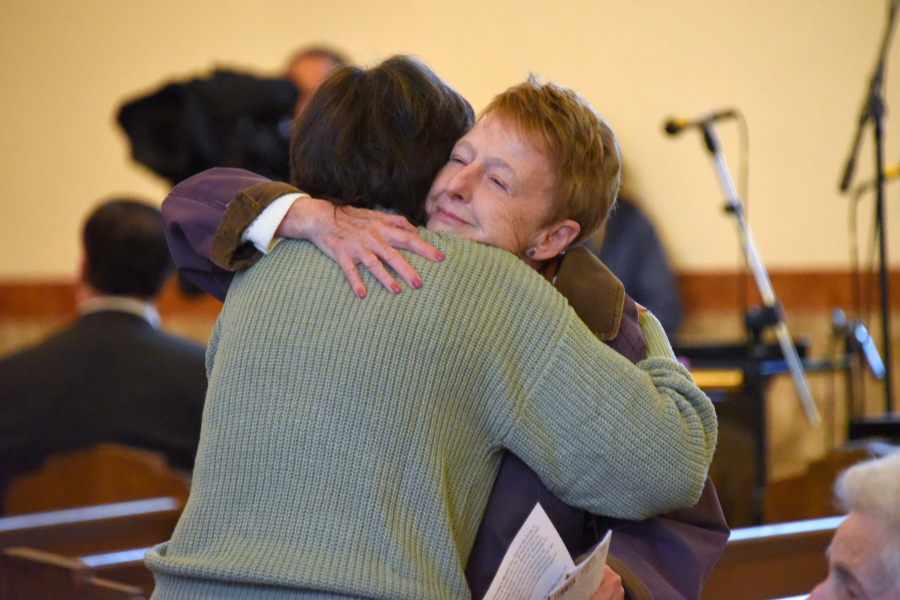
630, 247
308, 67
112, 376
226, 119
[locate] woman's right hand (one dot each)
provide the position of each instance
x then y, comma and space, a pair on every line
352, 236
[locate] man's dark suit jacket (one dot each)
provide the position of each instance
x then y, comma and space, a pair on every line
110, 377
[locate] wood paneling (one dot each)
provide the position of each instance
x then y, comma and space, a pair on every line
798, 290
48, 299
39, 299
701, 291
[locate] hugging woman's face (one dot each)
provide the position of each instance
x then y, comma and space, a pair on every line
497, 188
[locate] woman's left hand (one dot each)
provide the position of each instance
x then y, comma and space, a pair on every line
352, 236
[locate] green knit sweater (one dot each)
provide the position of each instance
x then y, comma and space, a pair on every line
349, 446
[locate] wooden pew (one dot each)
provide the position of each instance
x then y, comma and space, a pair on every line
91, 552
94, 529
772, 561
809, 496
123, 566
94, 588
28, 574
101, 474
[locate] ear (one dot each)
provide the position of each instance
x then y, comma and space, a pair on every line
82, 268
553, 239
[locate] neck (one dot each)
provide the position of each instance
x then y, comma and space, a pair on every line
89, 298
537, 265
549, 268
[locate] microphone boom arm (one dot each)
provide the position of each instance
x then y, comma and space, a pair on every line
760, 275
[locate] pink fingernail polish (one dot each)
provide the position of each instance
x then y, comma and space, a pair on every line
439, 256
417, 283
395, 288
361, 293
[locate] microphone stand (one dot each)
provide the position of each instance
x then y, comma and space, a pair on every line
763, 284
873, 110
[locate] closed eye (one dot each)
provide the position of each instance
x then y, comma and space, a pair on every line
849, 586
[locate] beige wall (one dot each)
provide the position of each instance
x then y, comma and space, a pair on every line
798, 71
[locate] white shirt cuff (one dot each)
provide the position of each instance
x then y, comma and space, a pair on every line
261, 232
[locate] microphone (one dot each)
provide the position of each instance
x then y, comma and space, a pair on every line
858, 339
675, 125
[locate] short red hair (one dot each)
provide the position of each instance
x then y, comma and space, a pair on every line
580, 145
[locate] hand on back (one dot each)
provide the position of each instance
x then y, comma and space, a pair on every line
353, 236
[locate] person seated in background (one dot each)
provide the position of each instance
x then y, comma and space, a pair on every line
630, 247
308, 68
689, 556
226, 119
113, 375
864, 556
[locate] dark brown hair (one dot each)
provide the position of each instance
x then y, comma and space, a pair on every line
125, 245
378, 136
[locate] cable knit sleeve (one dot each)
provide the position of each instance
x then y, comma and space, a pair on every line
659, 429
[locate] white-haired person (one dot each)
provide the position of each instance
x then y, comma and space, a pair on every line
864, 556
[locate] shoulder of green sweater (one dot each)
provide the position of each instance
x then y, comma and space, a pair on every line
474, 259
468, 254
499, 282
